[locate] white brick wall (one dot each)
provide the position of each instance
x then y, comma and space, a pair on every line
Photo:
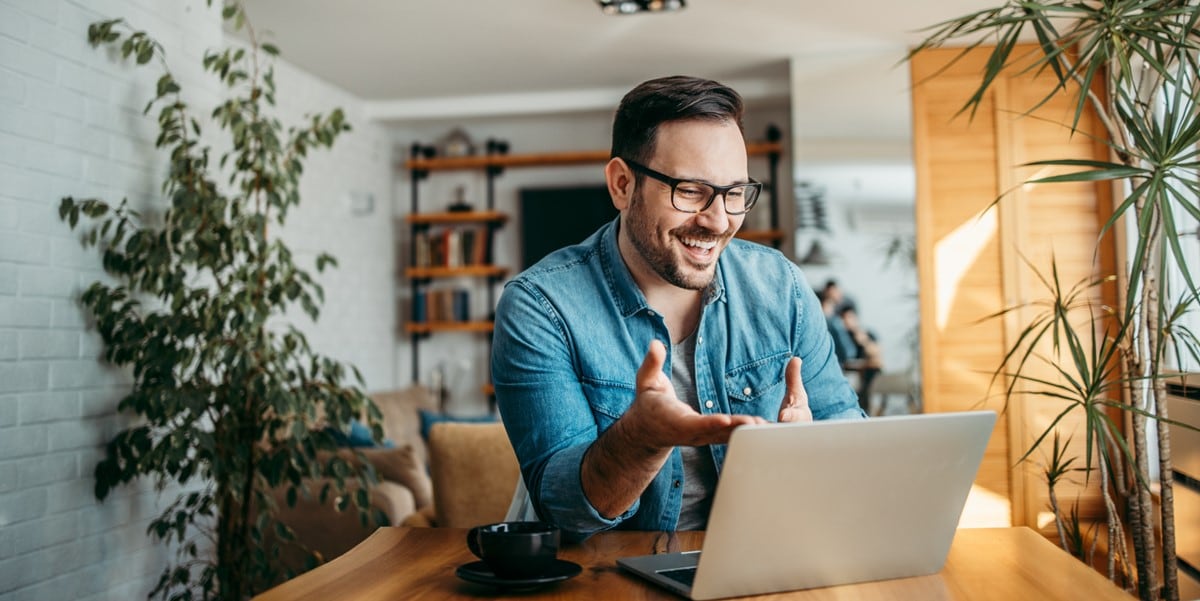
71, 124
357, 323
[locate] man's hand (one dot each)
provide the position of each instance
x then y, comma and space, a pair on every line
795, 398
621, 463
625, 458
658, 419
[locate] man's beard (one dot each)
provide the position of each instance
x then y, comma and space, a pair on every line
660, 258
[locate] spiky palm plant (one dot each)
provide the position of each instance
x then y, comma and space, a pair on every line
1134, 63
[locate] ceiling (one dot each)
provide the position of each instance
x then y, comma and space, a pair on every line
430, 50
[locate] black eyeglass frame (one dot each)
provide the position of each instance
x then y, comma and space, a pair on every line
717, 190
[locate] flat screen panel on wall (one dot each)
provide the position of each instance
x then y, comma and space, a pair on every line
552, 218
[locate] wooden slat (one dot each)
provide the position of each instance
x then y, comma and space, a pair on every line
456, 217
761, 236
449, 272
544, 159
448, 326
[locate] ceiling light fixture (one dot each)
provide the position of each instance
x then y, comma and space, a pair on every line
629, 7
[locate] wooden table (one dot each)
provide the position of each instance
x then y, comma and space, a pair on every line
1003, 564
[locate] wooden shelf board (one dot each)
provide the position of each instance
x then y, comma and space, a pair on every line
761, 148
761, 235
449, 272
545, 159
457, 217
447, 326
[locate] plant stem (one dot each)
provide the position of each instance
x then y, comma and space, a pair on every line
1167, 497
1144, 543
1058, 525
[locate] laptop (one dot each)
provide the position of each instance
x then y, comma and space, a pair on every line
820, 504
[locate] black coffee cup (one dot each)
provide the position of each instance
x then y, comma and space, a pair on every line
515, 549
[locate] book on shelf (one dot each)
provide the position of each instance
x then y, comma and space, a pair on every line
451, 247
442, 305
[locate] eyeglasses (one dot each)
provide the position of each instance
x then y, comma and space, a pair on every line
690, 196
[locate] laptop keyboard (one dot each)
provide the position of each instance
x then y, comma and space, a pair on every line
684, 576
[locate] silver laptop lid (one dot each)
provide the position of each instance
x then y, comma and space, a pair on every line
808, 505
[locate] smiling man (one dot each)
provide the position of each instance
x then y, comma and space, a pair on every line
622, 364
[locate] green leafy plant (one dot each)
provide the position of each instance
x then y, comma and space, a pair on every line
229, 401
1134, 64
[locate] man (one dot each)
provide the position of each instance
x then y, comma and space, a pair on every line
622, 364
831, 303
863, 355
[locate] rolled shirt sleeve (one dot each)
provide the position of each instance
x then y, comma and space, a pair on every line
545, 412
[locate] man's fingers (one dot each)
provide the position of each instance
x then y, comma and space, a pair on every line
650, 374
715, 428
795, 399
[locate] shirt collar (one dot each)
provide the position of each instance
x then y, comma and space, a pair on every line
624, 289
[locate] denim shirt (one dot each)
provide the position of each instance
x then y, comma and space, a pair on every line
572, 330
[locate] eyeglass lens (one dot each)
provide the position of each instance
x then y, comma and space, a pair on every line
695, 196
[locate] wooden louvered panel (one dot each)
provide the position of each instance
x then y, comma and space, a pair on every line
972, 255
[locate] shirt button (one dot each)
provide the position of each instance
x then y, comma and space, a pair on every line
746, 391
675, 484
708, 404
650, 313
699, 340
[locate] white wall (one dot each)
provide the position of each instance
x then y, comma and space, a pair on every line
70, 124
852, 137
346, 211
525, 134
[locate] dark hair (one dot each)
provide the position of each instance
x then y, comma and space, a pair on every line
675, 98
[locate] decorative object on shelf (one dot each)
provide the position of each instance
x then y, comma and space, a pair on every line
630, 7
460, 204
456, 144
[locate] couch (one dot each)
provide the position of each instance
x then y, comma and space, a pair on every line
404, 487
464, 476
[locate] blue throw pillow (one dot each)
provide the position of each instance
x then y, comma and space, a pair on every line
429, 418
359, 436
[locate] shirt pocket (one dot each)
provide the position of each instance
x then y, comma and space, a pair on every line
608, 400
757, 388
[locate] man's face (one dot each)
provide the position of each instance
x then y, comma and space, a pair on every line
682, 248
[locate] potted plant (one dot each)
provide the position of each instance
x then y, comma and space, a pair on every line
1135, 65
229, 400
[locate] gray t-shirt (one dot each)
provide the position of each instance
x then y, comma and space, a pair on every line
699, 471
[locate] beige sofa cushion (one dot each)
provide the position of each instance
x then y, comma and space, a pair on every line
402, 419
474, 473
400, 465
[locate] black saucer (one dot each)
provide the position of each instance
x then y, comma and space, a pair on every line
479, 572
